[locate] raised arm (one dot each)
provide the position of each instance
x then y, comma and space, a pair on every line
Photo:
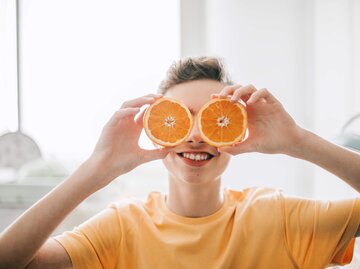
342, 162
272, 130
117, 152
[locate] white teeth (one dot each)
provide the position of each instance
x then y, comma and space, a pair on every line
196, 157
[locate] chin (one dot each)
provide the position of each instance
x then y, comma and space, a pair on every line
188, 174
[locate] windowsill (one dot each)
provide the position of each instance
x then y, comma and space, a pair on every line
21, 195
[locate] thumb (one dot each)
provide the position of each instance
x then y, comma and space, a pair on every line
238, 148
155, 154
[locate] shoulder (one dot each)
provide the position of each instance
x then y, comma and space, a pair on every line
255, 202
259, 207
127, 205
253, 195
135, 208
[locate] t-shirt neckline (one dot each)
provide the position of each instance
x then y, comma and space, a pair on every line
191, 220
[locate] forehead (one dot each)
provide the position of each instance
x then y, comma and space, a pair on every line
194, 94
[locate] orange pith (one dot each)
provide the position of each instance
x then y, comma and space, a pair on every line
222, 122
167, 122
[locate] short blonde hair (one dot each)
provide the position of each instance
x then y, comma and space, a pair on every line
198, 68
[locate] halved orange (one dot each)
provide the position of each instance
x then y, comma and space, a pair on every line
222, 122
167, 122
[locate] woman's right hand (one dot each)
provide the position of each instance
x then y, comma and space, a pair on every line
117, 150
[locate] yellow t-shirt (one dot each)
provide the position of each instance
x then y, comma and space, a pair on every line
254, 228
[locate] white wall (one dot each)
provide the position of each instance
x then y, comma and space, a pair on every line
288, 47
337, 69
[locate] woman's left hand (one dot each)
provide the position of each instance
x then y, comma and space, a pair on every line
271, 128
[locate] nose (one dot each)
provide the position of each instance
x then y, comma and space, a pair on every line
194, 136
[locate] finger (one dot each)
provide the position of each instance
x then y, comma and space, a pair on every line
123, 113
140, 117
262, 94
243, 93
228, 90
214, 95
140, 101
238, 148
155, 154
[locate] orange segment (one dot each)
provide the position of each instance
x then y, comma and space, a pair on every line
167, 122
222, 122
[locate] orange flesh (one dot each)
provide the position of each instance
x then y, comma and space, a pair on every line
226, 113
168, 122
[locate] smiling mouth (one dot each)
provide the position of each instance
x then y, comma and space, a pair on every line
196, 156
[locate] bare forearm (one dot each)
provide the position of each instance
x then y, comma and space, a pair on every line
20, 241
341, 162
116, 152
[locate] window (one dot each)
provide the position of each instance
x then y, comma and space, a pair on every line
8, 66
79, 61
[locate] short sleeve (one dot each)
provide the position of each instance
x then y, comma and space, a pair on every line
94, 244
320, 233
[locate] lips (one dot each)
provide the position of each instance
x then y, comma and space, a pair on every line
195, 158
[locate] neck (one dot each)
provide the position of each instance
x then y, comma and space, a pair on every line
194, 200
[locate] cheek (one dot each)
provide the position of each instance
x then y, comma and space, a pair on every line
223, 161
169, 160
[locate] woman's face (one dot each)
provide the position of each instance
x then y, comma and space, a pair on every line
194, 94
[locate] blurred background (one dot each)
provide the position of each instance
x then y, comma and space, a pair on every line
77, 61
